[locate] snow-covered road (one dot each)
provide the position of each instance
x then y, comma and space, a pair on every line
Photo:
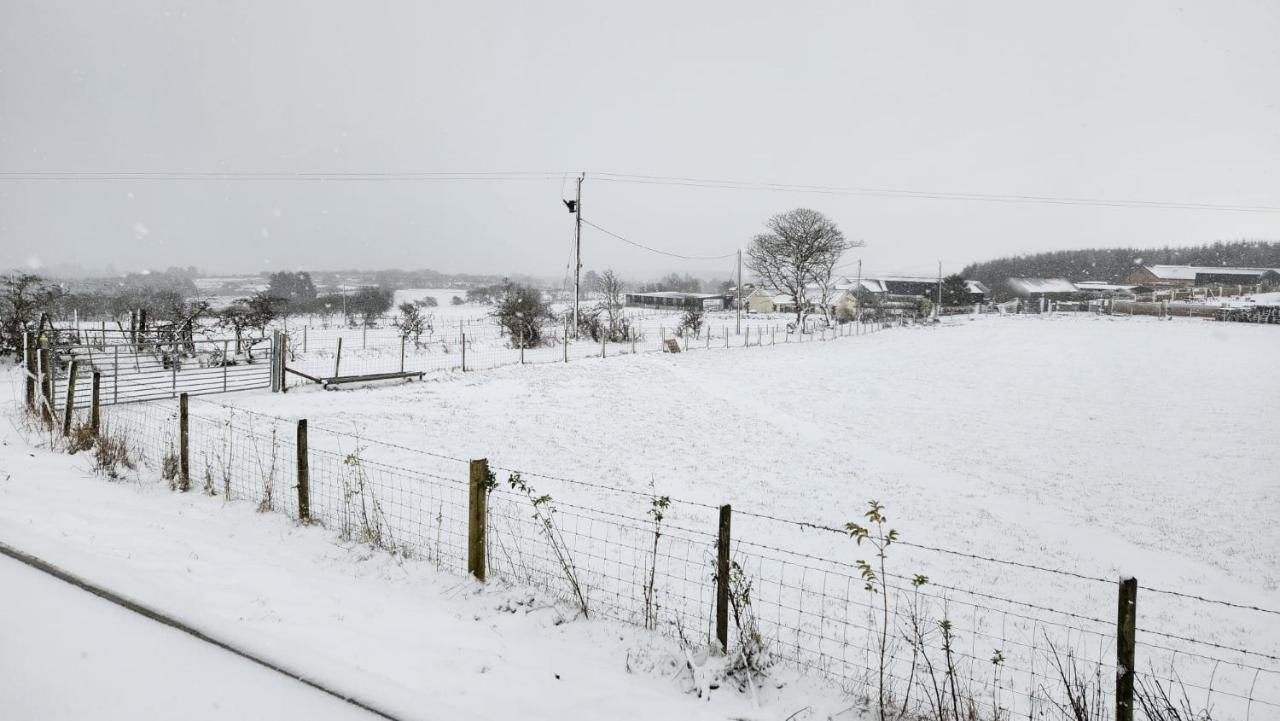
68, 655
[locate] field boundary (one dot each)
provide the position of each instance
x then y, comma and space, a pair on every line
672, 566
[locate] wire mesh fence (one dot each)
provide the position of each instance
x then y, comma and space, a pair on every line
978, 643
353, 352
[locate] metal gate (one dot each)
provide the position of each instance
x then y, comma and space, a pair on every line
151, 369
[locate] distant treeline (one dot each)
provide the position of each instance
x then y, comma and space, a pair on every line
1113, 265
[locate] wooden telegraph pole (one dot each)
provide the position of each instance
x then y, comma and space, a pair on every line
575, 207
739, 303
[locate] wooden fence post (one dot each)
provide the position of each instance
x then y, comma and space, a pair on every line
566, 342
284, 361
304, 474
722, 578
95, 409
402, 354
184, 457
476, 517
337, 358
30, 364
46, 381
70, 403
1126, 636
464, 352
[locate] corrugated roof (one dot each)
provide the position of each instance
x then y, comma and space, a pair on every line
676, 294
1188, 272
1030, 286
1099, 285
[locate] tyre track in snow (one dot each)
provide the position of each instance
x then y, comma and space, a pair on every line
161, 617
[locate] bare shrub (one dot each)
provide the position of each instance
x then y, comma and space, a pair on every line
267, 465
544, 514
1168, 701
691, 323
658, 506
169, 469
111, 456
754, 658
362, 518
210, 489
82, 438
1083, 689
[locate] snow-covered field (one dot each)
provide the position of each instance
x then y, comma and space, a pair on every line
1039, 434
314, 339
1098, 445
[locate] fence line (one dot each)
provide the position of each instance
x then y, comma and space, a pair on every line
624, 562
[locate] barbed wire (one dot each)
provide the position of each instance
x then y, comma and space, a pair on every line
778, 519
1202, 599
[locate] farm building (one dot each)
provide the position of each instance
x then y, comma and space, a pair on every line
1051, 288
977, 291
919, 287
680, 301
1110, 290
1195, 276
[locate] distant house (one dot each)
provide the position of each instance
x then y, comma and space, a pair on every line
840, 301
759, 300
672, 300
1051, 288
977, 291
784, 303
1194, 276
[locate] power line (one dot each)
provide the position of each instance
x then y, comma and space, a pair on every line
655, 250
270, 176
36, 176
924, 194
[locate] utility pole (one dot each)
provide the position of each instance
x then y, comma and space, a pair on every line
857, 292
739, 303
937, 308
575, 207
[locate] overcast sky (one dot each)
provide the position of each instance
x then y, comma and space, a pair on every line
1128, 100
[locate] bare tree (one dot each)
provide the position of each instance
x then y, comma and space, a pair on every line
611, 288
824, 277
23, 297
801, 247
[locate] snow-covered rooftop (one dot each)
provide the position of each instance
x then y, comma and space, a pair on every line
1100, 285
1188, 272
1030, 286
676, 294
